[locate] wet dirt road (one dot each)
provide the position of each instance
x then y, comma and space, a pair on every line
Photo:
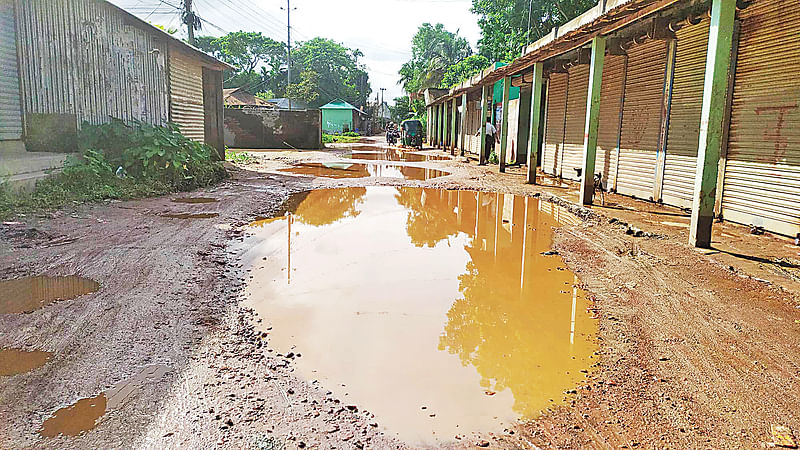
694, 351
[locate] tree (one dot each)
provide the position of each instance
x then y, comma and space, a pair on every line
245, 50
339, 73
433, 50
504, 23
401, 109
307, 90
464, 69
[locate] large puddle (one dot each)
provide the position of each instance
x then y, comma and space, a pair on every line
25, 295
392, 154
436, 310
15, 362
358, 170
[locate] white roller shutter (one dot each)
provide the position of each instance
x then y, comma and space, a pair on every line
608, 128
572, 156
762, 175
554, 124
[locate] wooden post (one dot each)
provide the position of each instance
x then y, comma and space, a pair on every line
440, 125
592, 119
536, 117
504, 123
484, 111
454, 126
464, 103
712, 119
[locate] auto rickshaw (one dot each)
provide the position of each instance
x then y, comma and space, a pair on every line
412, 133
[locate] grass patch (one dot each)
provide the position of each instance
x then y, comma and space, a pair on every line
349, 138
120, 162
238, 157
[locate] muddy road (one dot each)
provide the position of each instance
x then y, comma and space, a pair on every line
690, 348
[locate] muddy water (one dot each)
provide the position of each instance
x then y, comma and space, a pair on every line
26, 295
195, 200
15, 362
355, 170
391, 154
74, 420
433, 309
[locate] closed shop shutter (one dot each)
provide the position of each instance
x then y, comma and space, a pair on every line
186, 96
641, 119
762, 176
608, 128
554, 126
572, 156
10, 106
680, 165
513, 128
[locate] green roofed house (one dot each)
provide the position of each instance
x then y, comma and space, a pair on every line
339, 116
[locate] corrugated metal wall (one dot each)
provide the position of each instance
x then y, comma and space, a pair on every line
641, 119
572, 156
680, 164
186, 96
80, 57
10, 107
762, 175
608, 128
554, 123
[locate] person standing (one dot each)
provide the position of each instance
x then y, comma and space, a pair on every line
491, 136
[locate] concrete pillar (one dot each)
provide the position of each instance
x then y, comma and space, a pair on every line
592, 119
536, 119
712, 119
504, 123
485, 98
454, 127
428, 125
464, 103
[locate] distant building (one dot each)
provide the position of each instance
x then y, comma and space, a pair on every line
339, 116
63, 64
240, 98
283, 103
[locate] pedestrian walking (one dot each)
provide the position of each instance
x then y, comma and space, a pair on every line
491, 136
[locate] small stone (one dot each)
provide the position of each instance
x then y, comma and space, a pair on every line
482, 443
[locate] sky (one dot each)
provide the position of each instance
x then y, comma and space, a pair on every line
381, 29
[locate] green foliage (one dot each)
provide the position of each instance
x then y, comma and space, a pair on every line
493, 158
504, 23
463, 70
340, 75
307, 90
433, 50
401, 109
268, 95
245, 50
238, 157
347, 138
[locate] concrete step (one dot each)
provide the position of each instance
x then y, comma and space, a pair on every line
21, 171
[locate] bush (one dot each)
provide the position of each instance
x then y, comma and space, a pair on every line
351, 134
121, 161
335, 138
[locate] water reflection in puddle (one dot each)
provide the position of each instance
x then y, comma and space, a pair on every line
393, 155
355, 170
404, 298
195, 200
15, 362
74, 420
25, 295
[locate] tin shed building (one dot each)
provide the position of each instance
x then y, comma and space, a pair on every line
65, 63
339, 116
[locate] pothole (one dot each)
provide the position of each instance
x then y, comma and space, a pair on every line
393, 155
358, 170
25, 295
15, 362
441, 312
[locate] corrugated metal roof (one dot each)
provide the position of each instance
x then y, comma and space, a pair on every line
338, 104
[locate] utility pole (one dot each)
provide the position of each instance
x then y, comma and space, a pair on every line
288, 50
189, 19
380, 108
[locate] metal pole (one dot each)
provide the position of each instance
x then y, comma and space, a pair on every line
288, 50
188, 19
383, 119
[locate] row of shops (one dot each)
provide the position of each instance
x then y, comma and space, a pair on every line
690, 104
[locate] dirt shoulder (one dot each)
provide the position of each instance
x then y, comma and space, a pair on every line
697, 348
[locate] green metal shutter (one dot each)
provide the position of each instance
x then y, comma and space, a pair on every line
641, 119
575, 128
680, 165
10, 102
608, 128
554, 126
762, 175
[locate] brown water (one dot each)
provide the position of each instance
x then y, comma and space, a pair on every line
391, 154
15, 362
356, 170
26, 295
75, 419
195, 200
410, 302
185, 216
